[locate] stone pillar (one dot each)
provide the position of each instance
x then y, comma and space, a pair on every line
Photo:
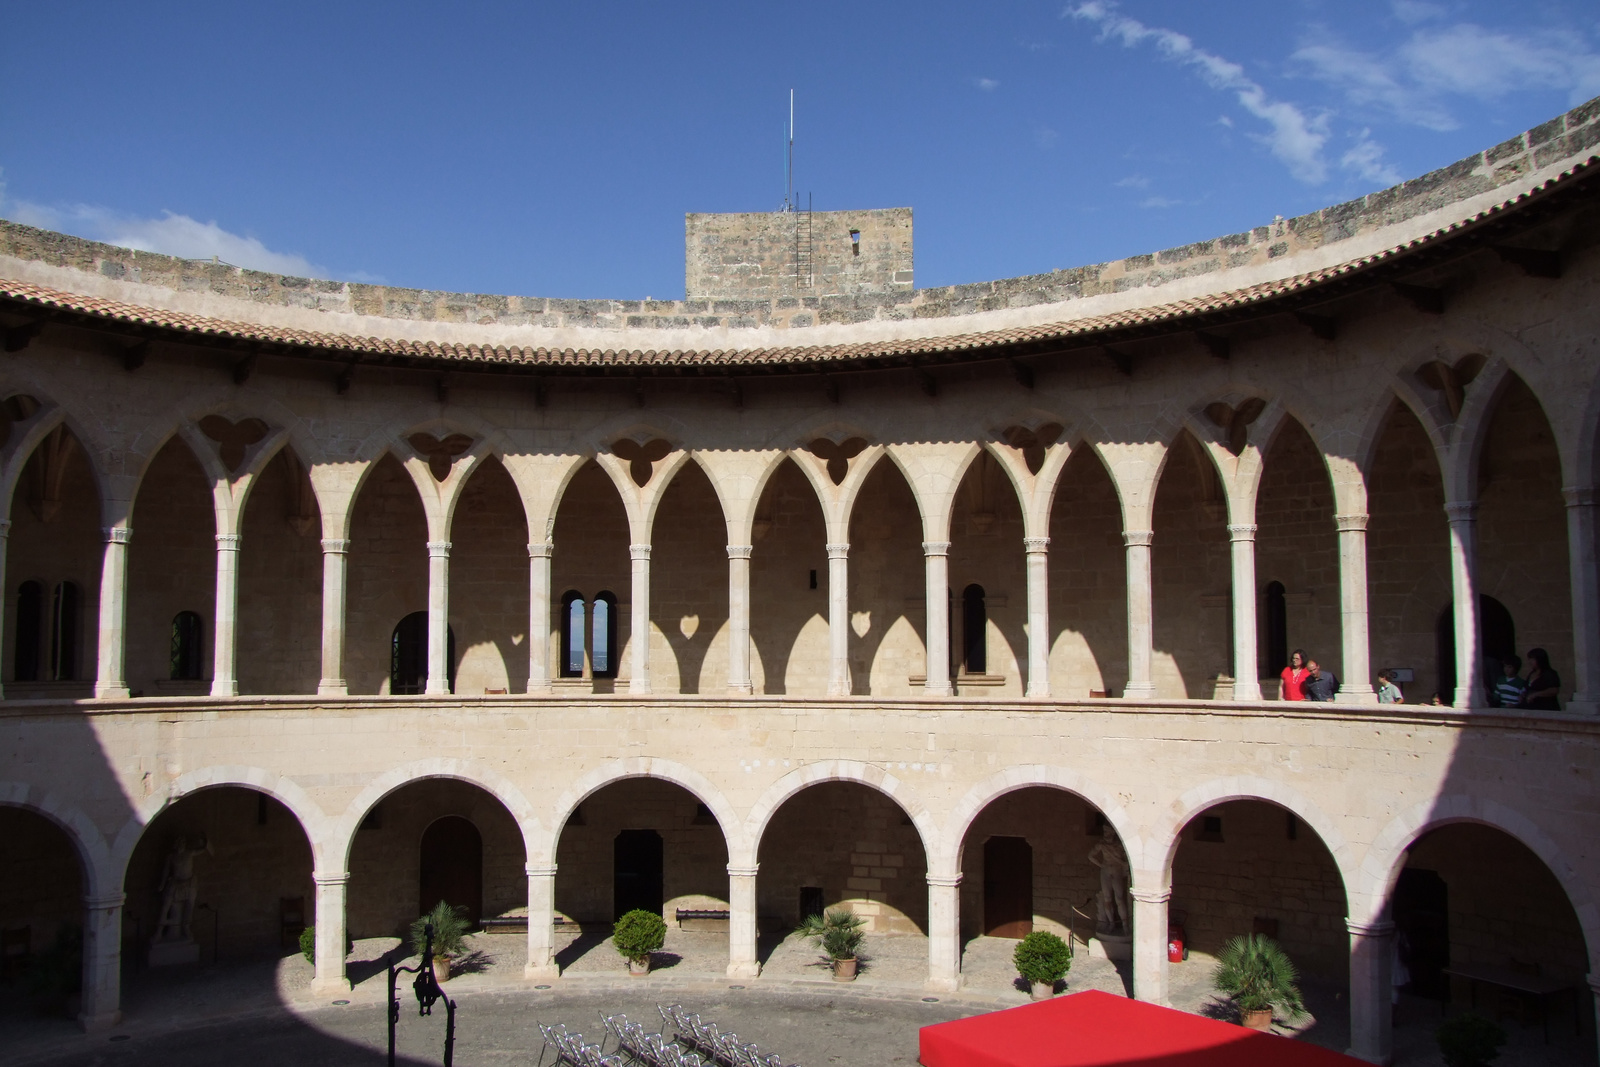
936, 564
5, 535
1464, 594
330, 923
839, 620
225, 642
1246, 672
102, 962
944, 932
1594, 986
742, 959
1355, 683
639, 622
739, 618
1141, 616
1371, 990
1150, 944
110, 676
1585, 576
438, 619
335, 553
541, 923
1036, 552
539, 672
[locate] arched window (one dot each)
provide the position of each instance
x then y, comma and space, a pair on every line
1497, 642
30, 615
572, 627
408, 656
1276, 631
974, 630
186, 646
64, 633
604, 648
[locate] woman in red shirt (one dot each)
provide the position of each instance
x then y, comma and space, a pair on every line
1294, 676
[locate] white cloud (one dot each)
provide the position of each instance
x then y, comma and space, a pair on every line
1045, 137
1134, 181
171, 234
1159, 202
988, 85
1414, 11
1365, 160
1295, 138
1413, 81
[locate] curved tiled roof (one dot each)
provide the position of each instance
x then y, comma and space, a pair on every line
1566, 140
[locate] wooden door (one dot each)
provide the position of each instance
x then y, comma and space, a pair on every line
1007, 887
452, 866
637, 872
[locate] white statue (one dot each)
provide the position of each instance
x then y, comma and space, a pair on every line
178, 890
1112, 902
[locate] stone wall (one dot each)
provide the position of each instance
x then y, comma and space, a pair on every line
789, 635
388, 573
489, 584
888, 586
1088, 583
767, 255
1061, 828
172, 568
1297, 544
280, 583
50, 895
1190, 568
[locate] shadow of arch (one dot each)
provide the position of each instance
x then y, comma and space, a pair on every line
688, 778
1297, 544
1088, 581
688, 602
790, 535
1190, 566
986, 532
387, 571
280, 579
591, 536
887, 585
488, 613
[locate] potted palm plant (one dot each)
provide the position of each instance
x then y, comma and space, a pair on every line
637, 934
449, 922
1257, 975
839, 934
1043, 959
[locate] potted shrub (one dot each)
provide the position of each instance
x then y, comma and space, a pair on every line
839, 934
1043, 959
449, 922
1469, 1040
636, 935
1257, 975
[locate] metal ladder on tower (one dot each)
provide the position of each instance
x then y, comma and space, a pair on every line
803, 277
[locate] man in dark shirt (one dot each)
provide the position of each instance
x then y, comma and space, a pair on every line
1319, 684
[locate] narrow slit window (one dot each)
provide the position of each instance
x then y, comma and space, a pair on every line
30, 615
186, 645
604, 654
64, 633
1277, 630
572, 636
974, 630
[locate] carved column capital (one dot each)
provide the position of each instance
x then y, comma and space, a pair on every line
839, 551
105, 901
1138, 538
936, 548
1245, 531
1350, 523
638, 552
540, 549
1378, 928
743, 872
1035, 546
1576, 496
1151, 896
547, 870
335, 546
228, 542
739, 551
119, 535
1461, 510
439, 549
945, 881
330, 878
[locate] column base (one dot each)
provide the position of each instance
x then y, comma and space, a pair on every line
744, 690
938, 689
541, 690
1139, 691
541, 972
943, 985
1358, 695
224, 689
744, 969
1246, 690
324, 986
639, 688
1038, 692
95, 1024
1384, 1061
1582, 705
436, 690
332, 687
111, 692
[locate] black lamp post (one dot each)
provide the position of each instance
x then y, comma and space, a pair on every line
428, 991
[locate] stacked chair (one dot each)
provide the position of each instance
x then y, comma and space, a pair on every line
693, 1043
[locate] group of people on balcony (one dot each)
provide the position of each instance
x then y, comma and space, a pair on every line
1304, 679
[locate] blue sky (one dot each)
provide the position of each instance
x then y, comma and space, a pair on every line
552, 150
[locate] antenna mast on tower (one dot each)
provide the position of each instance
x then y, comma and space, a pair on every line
788, 160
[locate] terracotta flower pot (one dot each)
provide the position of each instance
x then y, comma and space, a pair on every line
845, 970
1042, 990
441, 968
1259, 1019
639, 968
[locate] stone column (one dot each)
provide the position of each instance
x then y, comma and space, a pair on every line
1246, 672
5, 536
1141, 616
539, 672
1371, 991
1585, 577
1355, 684
541, 923
330, 922
225, 639
1594, 986
110, 676
639, 621
102, 962
438, 619
335, 553
742, 959
936, 565
739, 618
1036, 552
944, 932
1150, 944
839, 620
1464, 594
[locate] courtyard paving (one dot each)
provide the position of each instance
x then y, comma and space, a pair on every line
263, 1011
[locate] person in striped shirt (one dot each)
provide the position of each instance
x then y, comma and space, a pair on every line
1510, 689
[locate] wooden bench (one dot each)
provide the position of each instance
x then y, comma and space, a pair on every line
702, 918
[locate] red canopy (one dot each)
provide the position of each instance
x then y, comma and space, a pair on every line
1095, 1029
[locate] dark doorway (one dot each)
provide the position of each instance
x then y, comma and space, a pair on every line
810, 901
1497, 641
408, 656
452, 866
1007, 887
30, 612
1276, 631
636, 872
974, 630
1421, 908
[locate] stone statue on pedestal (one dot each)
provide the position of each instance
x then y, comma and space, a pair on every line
1111, 904
178, 890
